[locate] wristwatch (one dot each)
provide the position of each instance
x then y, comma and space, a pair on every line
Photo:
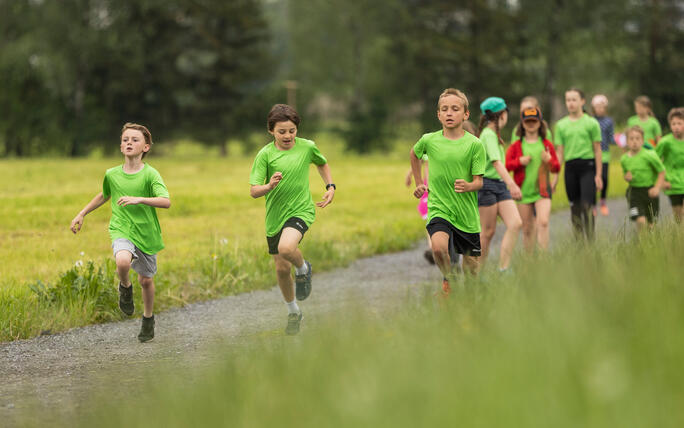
328, 186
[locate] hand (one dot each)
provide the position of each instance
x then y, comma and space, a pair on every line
407, 181
554, 183
515, 192
667, 185
653, 192
420, 189
275, 179
628, 176
545, 155
129, 200
461, 186
327, 198
599, 182
76, 223
524, 160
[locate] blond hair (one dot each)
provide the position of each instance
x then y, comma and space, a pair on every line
146, 132
456, 92
635, 128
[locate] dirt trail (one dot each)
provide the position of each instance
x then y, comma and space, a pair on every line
58, 372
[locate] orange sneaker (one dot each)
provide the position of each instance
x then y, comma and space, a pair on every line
445, 287
604, 210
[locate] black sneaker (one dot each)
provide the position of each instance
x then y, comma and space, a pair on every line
303, 283
293, 322
147, 329
126, 299
429, 257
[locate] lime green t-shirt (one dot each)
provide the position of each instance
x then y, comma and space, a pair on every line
577, 136
671, 151
644, 166
515, 138
530, 186
292, 196
494, 152
451, 160
651, 127
137, 223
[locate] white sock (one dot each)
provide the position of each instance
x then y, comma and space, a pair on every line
302, 269
292, 307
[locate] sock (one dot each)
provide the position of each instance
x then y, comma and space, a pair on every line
292, 307
302, 270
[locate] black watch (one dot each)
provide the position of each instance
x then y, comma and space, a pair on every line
328, 186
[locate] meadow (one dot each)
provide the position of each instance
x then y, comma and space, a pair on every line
581, 336
52, 280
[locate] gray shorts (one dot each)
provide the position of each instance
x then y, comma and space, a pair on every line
143, 263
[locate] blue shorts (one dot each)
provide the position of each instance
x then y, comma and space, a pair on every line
492, 191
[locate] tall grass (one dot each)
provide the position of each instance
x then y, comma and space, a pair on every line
581, 336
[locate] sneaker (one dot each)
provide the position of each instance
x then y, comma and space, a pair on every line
126, 299
444, 292
593, 211
429, 256
293, 322
303, 283
604, 210
147, 329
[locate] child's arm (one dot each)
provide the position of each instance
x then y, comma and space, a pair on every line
324, 171
598, 154
257, 191
417, 175
654, 191
94, 204
158, 202
508, 180
462, 186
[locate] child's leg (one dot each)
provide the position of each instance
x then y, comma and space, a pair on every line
123, 266
287, 247
528, 225
472, 263
640, 223
440, 249
284, 275
488, 223
147, 284
543, 208
677, 211
604, 177
511, 218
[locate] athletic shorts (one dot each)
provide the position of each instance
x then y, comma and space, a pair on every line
579, 181
459, 241
676, 200
642, 205
492, 191
293, 222
143, 263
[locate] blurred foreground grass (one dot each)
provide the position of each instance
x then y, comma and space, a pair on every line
581, 336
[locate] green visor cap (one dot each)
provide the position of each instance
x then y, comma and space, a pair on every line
493, 104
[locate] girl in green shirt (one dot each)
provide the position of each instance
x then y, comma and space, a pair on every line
646, 120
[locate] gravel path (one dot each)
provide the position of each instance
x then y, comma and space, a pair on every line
56, 373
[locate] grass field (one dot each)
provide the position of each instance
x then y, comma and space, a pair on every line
585, 336
214, 232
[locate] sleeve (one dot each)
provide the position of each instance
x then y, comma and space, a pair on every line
259, 169
658, 129
106, 189
656, 163
159, 189
554, 165
316, 157
595, 131
558, 135
491, 148
661, 148
611, 131
623, 164
479, 159
512, 157
420, 148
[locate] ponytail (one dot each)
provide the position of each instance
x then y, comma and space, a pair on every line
494, 118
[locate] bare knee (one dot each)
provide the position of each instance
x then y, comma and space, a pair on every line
488, 232
146, 281
515, 225
286, 250
440, 251
283, 267
543, 223
123, 262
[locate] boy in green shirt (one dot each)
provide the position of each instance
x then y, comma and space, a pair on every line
135, 189
281, 173
646, 174
457, 164
671, 151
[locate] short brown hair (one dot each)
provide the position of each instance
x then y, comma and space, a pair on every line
646, 102
456, 92
282, 113
635, 128
675, 112
146, 132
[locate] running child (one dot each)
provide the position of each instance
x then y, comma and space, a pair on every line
281, 173
645, 174
135, 189
600, 104
578, 143
457, 163
671, 151
495, 198
646, 120
525, 104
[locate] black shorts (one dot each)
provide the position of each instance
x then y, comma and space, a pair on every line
492, 191
676, 200
579, 181
293, 222
459, 241
642, 205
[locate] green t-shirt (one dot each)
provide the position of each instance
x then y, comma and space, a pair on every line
494, 151
671, 151
292, 196
651, 127
530, 186
515, 138
137, 223
577, 136
451, 160
644, 166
